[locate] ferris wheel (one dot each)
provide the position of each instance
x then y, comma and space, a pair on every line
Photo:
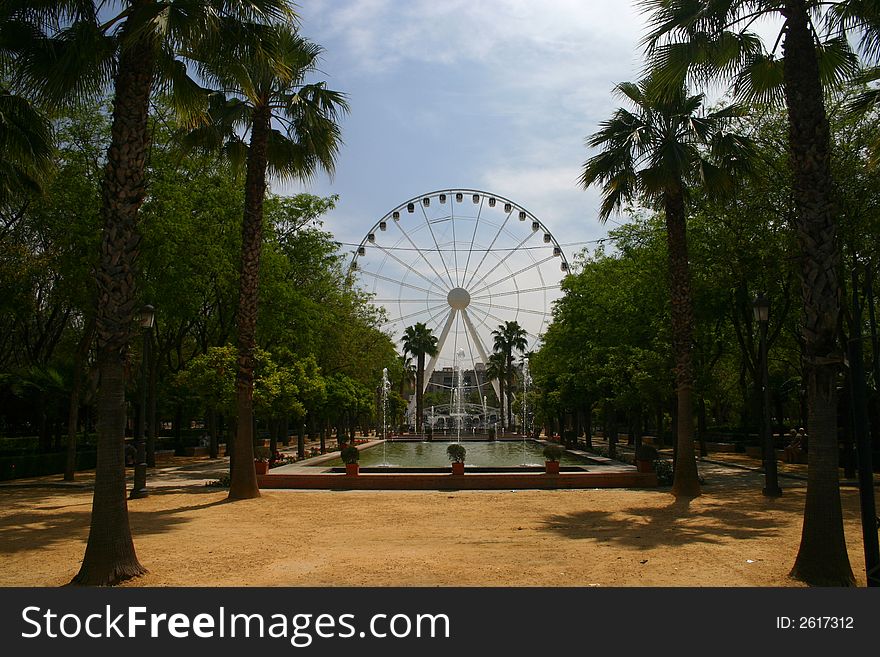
462, 262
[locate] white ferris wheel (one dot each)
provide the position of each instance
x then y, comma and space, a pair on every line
462, 262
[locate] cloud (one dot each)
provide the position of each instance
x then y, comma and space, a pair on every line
497, 94
382, 34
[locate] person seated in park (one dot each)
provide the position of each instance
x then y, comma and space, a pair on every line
794, 452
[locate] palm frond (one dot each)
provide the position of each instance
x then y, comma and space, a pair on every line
186, 97
26, 147
760, 81
837, 62
67, 68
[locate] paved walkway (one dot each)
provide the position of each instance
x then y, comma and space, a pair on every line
720, 471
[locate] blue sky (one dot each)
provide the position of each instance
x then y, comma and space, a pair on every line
487, 94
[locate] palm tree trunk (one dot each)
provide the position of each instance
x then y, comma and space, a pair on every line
686, 482
822, 557
82, 352
110, 556
243, 476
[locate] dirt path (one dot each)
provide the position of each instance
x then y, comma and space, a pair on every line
186, 534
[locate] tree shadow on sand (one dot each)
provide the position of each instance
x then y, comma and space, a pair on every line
33, 528
671, 525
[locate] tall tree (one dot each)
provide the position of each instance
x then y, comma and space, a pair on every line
69, 53
260, 76
651, 156
419, 341
26, 145
712, 41
507, 338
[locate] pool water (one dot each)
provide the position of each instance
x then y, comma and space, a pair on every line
433, 455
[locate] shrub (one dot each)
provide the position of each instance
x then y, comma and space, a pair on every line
646, 453
222, 482
456, 452
350, 454
261, 453
553, 452
664, 472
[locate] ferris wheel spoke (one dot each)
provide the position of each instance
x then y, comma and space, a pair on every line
429, 370
473, 237
504, 259
421, 312
477, 384
455, 253
436, 245
480, 348
420, 252
434, 316
537, 263
398, 282
403, 300
512, 292
502, 321
409, 268
511, 308
489, 248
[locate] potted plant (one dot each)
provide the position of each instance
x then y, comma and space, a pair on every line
350, 456
261, 460
552, 454
645, 457
456, 453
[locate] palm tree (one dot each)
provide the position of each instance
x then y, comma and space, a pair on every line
509, 337
419, 341
652, 155
407, 373
135, 50
712, 41
259, 75
26, 148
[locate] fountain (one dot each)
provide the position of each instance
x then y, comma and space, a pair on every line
525, 428
386, 386
459, 393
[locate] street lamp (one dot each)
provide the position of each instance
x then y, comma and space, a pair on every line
146, 320
761, 310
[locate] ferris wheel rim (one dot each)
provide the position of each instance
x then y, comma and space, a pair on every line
456, 190
432, 287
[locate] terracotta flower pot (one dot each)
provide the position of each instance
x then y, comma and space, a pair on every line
457, 468
262, 467
352, 469
551, 467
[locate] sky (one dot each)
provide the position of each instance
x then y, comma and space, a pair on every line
496, 95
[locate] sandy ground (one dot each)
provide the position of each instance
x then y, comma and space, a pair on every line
186, 534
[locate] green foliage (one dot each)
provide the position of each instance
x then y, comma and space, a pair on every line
350, 454
663, 468
210, 377
553, 452
222, 482
456, 452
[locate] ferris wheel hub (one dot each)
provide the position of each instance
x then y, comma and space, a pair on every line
458, 298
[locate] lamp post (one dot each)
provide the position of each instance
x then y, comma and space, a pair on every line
761, 310
139, 488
